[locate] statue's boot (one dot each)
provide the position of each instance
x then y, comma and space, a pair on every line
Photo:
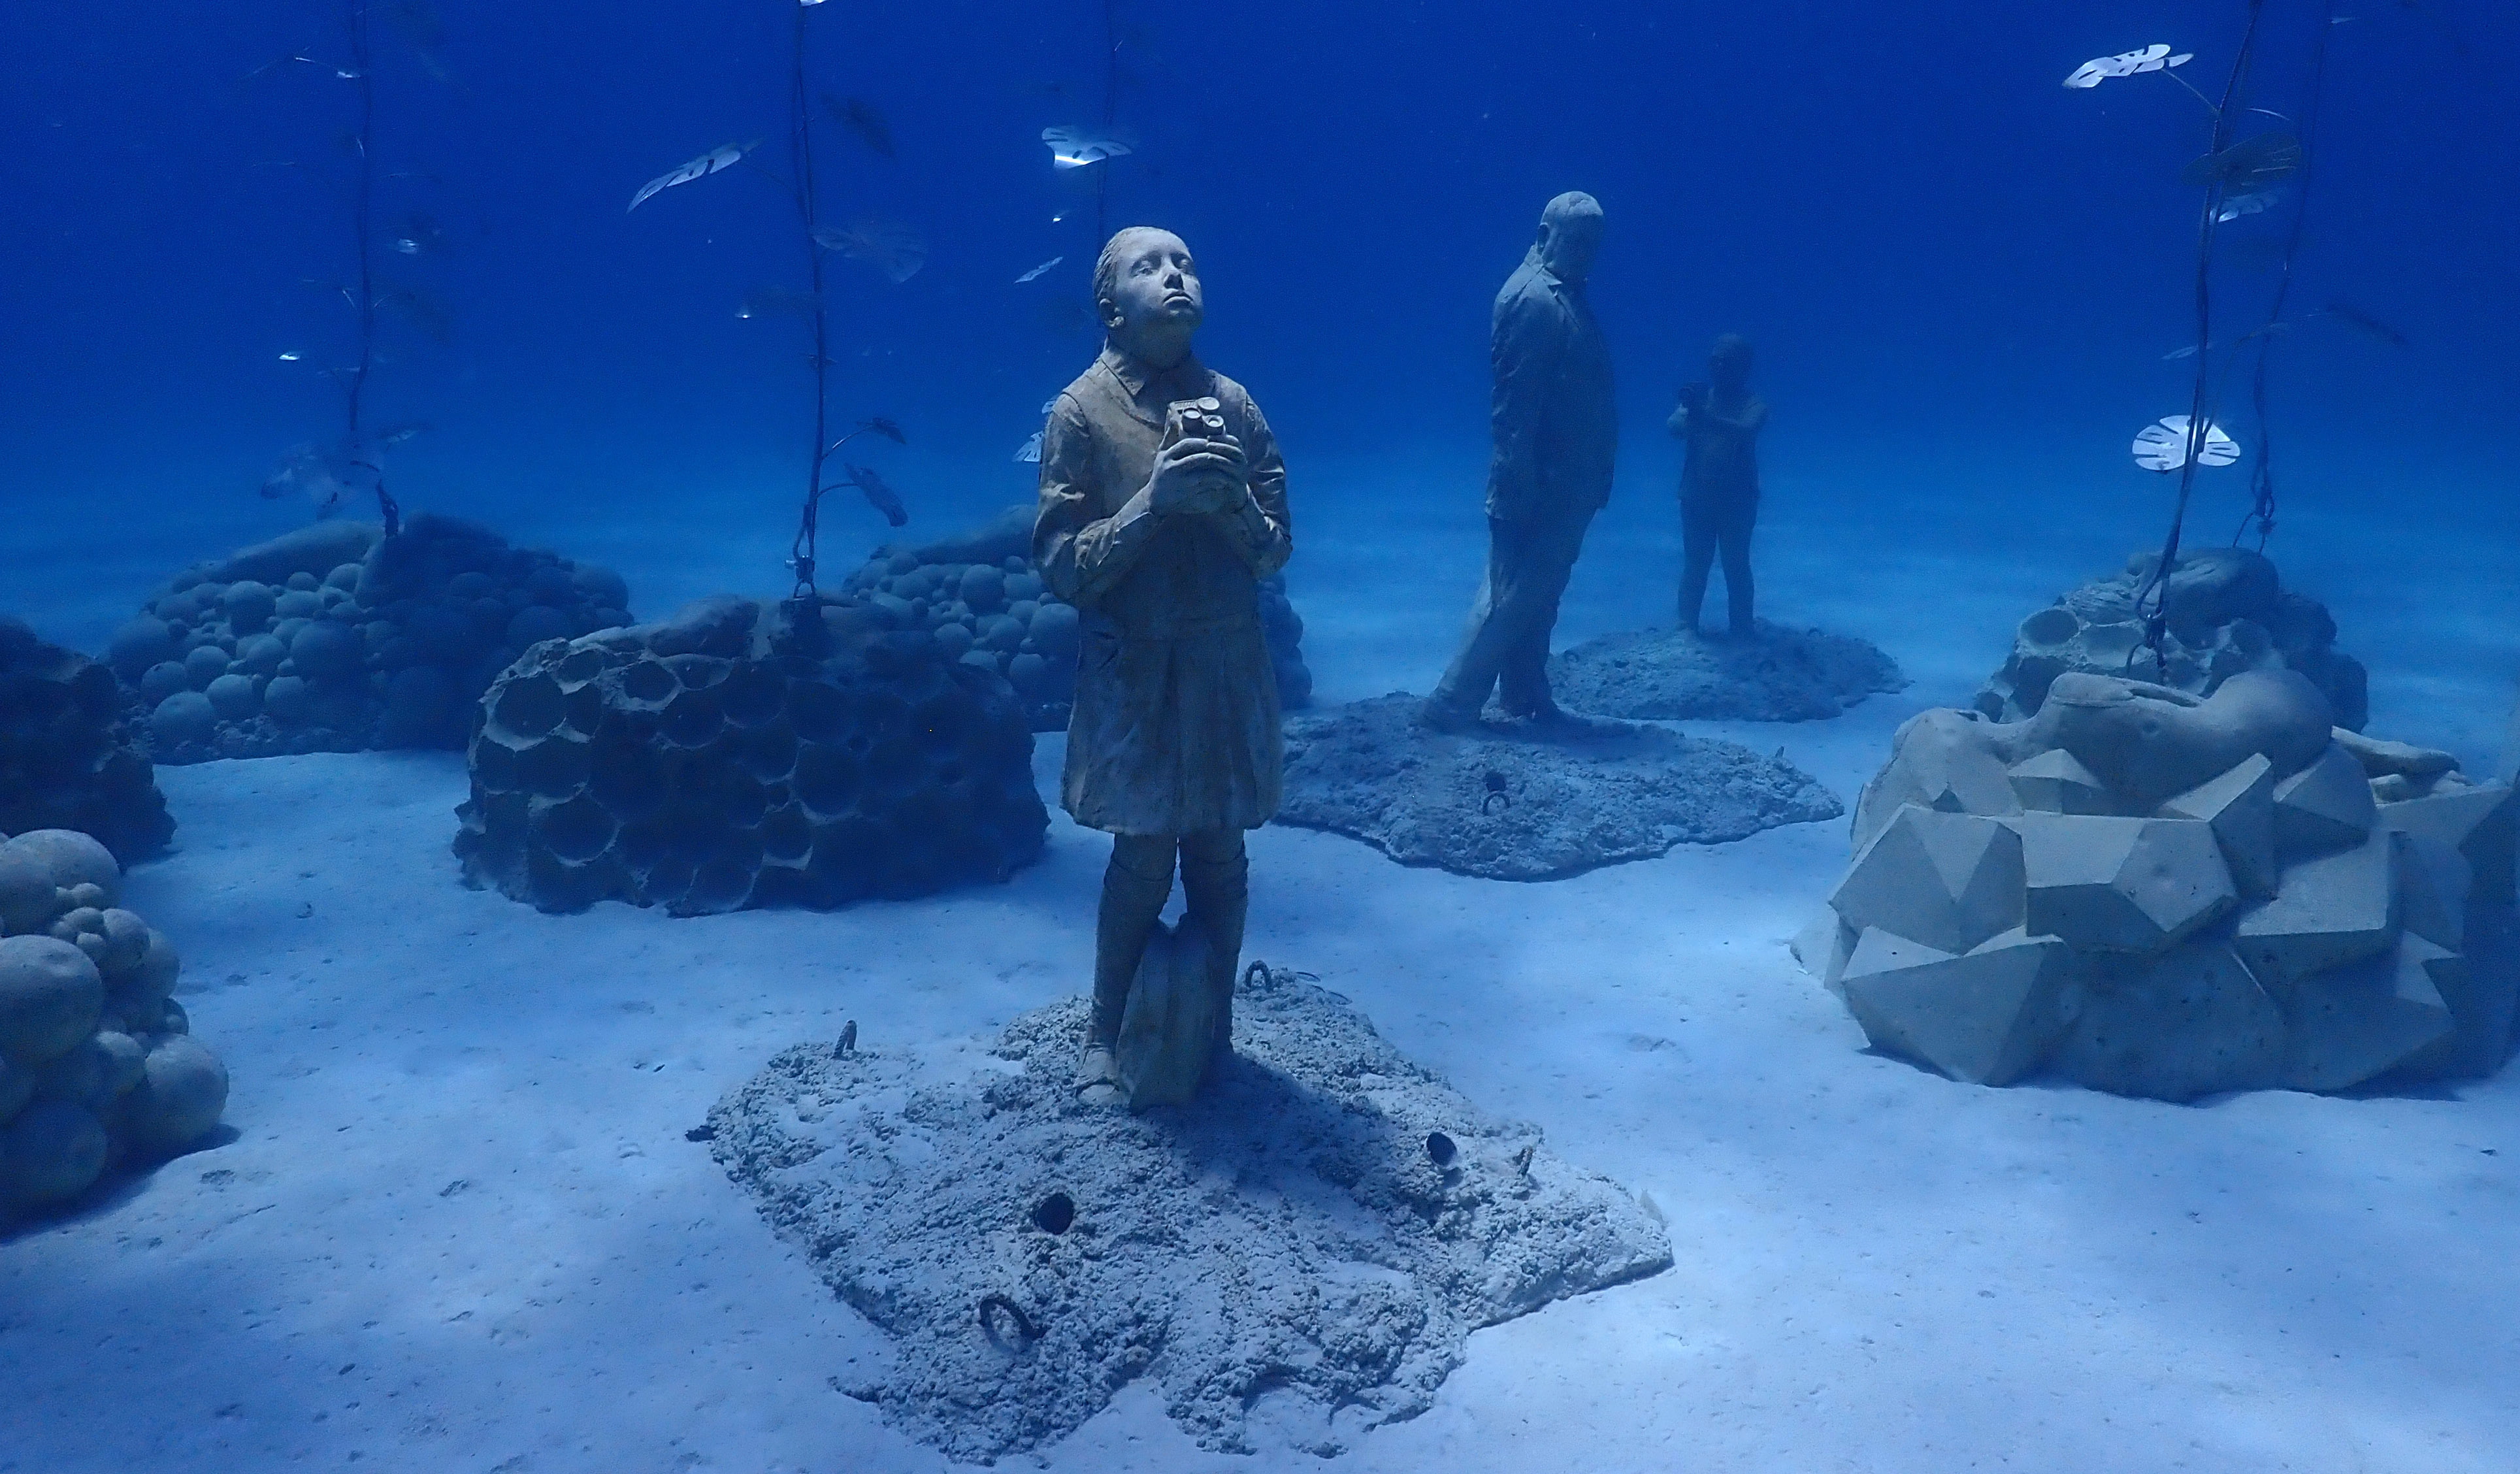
1135, 886
1216, 881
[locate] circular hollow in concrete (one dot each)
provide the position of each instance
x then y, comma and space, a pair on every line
1054, 1214
1440, 1148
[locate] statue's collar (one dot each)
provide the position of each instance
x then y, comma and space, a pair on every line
1135, 373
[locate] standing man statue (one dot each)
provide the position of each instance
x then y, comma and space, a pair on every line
1557, 436
1719, 482
1163, 504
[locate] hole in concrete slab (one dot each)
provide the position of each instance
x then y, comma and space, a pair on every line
1440, 1148
1054, 1214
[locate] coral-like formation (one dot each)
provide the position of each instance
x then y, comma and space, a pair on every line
1515, 804
98, 1066
2166, 897
733, 756
1294, 1257
976, 593
1675, 675
334, 639
69, 759
2227, 613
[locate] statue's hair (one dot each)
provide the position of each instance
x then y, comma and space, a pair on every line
1730, 344
1571, 206
1106, 266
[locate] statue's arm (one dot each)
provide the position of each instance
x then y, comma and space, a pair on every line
1080, 556
1259, 528
1529, 339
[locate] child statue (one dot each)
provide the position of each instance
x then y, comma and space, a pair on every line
1163, 504
1719, 482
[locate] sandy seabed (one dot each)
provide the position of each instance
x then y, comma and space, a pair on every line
457, 1225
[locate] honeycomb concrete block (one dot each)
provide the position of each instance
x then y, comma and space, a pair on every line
2331, 912
2323, 808
70, 756
2057, 783
1948, 880
2481, 821
729, 757
2132, 885
2241, 807
1987, 1018
2355, 1024
1877, 951
2192, 1023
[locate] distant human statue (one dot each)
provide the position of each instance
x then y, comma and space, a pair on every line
1719, 419
1555, 433
1163, 504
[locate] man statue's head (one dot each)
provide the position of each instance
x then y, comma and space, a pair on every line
1147, 294
1729, 365
1570, 232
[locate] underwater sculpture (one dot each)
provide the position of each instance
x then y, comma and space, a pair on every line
336, 638
98, 1066
69, 759
1554, 423
1163, 503
1719, 419
1292, 1259
978, 594
2226, 611
2156, 894
735, 755
1511, 803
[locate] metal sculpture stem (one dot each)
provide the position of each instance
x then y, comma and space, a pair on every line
801, 143
2261, 471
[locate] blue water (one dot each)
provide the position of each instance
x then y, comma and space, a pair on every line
1961, 276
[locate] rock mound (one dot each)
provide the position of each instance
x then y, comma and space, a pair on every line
2229, 612
332, 638
976, 595
1514, 804
727, 758
1676, 675
2275, 924
69, 759
98, 1068
1295, 1256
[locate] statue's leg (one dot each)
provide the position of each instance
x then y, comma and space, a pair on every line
1135, 886
1549, 562
1466, 682
1738, 590
1216, 881
1698, 545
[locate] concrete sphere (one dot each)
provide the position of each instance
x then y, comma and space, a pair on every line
27, 894
182, 1089
287, 700
73, 860
51, 996
206, 664
141, 644
53, 1153
163, 680
234, 698
187, 716
249, 605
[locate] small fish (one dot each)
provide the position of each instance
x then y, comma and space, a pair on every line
328, 475
1074, 147
878, 496
777, 301
291, 356
1035, 274
2353, 316
723, 157
860, 117
1029, 453
894, 249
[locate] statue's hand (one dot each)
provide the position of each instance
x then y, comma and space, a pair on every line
1692, 397
1198, 476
